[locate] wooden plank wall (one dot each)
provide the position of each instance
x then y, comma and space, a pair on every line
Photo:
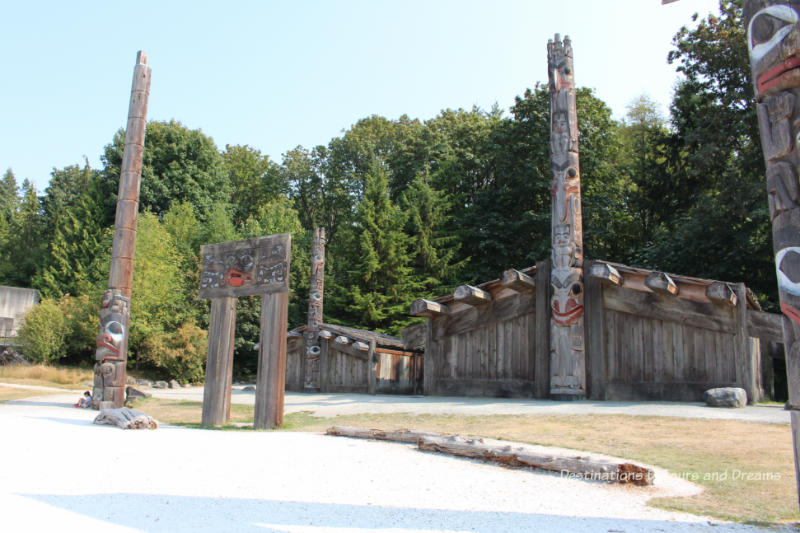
399, 373
486, 350
295, 378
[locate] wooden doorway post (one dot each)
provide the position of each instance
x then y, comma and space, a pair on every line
216, 392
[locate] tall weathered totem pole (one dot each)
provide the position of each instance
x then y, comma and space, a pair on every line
112, 341
567, 361
315, 296
773, 41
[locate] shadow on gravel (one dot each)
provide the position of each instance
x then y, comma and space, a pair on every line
166, 513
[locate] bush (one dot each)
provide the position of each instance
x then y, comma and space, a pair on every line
180, 353
44, 332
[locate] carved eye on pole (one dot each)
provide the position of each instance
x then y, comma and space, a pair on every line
768, 27
576, 289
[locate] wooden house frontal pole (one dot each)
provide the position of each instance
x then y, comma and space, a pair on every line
773, 38
112, 341
567, 360
315, 298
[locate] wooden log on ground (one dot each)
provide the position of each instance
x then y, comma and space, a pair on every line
514, 279
721, 293
661, 283
467, 294
606, 274
401, 435
521, 455
125, 418
428, 308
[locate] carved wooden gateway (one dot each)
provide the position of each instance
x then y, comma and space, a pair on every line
246, 268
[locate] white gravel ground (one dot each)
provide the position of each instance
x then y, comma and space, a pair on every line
62, 473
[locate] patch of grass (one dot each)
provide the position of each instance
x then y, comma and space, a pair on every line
745, 468
48, 376
11, 393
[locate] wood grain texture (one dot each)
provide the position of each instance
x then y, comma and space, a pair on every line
222, 326
519, 281
271, 361
469, 295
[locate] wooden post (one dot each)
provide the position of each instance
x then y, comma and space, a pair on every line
372, 367
429, 360
315, 297
773, 49
567, 361
323, 365
595, 353
222, 326
112, 340
745, 368
271, 382
542, 339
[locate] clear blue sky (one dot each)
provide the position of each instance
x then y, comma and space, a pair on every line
275, 75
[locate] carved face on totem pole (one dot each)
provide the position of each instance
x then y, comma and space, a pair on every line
773, 40
111, 345
567, 299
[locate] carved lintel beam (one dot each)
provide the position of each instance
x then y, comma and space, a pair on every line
341, 339
721, 293
606, 274
661, 283
520, 282
467, 294
361, 346
325, 334
428, 308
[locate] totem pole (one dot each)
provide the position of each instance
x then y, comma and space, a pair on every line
315, 294
773, 41
567, 361
112, 341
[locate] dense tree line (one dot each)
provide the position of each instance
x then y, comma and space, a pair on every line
411, 208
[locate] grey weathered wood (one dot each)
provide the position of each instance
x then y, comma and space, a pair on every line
514, 279
271, 361
651, 305
341, 339
372, 362
500, 310
125, 418
745, 363
315, 310
765, 326
542, 338
467, 294
245, 268
428, 308
222, 326
662, 283
582, 466
428, 363
414, 336
325, 334
361, 346
595, 356
409, 436
324, 371
605, 273
721, 293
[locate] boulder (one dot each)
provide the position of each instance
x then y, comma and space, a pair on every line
126, 419
249, 388
726, 397
133, 394
130, 380
160, 385
173, 384
144, 382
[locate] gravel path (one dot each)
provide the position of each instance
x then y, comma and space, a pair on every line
66, 474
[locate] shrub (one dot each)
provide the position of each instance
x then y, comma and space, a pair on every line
44, 331
180, 353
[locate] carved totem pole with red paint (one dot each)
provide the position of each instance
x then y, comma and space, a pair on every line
773, 41
567, 361
112, 340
